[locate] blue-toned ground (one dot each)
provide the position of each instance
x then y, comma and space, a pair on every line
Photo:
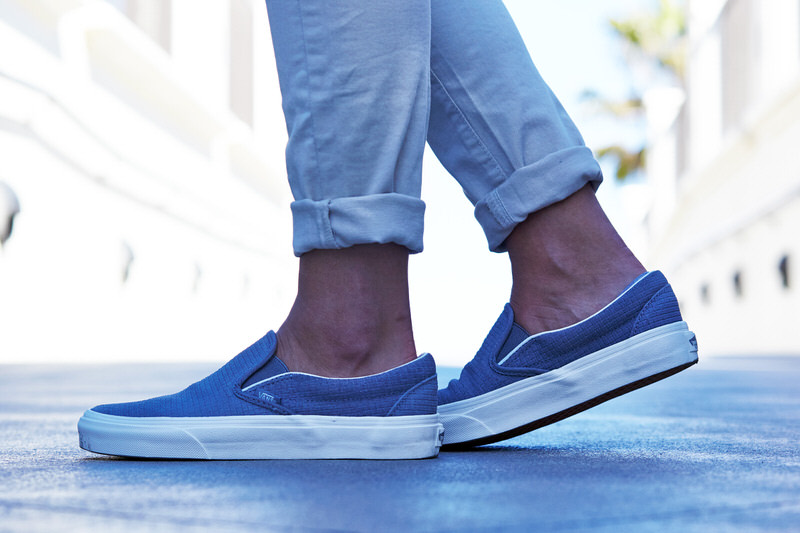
715, 448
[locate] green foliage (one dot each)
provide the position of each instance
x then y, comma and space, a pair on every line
628, 161
656, 38
619, 108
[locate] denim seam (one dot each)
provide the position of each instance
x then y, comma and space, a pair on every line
498, 209
308, 89
469, 126
328, 226
409, 391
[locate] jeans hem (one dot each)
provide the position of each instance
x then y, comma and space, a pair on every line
370, 219
534, 187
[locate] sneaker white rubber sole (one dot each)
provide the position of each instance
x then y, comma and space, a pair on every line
540, 400
262, 436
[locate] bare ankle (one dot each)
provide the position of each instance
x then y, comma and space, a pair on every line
556, 304
352, 315
344, 352
567, 262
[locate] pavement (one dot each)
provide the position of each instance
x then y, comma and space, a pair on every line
714, 448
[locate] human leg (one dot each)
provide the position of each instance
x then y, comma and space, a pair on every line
355, 97
495, 124
355, 85
497, 127
504, 136
354, 76
351, 316
523, 164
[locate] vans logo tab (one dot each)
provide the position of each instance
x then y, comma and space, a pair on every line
268, 398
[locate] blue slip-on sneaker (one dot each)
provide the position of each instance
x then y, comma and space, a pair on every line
519, 382
254, 408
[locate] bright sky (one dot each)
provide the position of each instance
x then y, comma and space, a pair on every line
458, 287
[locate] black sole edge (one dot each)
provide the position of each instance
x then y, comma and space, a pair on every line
566, 413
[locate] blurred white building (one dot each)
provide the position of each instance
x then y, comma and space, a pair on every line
144, 142
724, 167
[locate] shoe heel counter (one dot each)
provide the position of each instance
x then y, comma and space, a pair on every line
660, 310
421, 399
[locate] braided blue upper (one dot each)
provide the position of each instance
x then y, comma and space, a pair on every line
407, 390
648, 304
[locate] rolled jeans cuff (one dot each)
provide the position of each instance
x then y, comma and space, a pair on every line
534, 187
371, 219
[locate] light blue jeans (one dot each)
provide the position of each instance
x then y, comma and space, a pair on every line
366, 83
